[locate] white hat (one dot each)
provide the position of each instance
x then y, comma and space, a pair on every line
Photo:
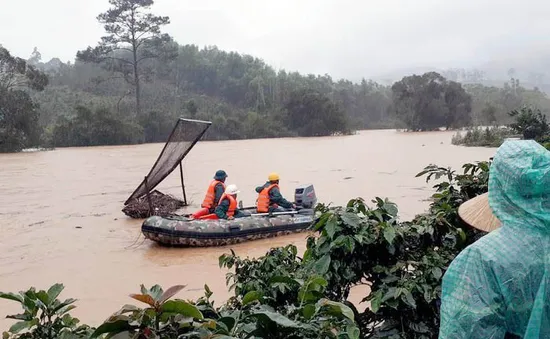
231, 189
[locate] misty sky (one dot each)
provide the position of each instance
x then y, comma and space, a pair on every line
344, 38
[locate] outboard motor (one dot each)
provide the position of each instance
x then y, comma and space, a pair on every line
304, 196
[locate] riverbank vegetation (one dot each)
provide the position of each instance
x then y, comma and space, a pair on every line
133, 85
492, 136
527, 123
284, 295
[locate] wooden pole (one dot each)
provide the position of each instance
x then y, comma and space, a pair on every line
183, 185
148, 197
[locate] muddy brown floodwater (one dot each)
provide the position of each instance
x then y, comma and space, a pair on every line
61, 219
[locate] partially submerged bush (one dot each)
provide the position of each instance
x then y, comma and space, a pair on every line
483, 137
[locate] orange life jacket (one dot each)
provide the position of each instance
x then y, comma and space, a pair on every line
232, 204
263, 202
208, 201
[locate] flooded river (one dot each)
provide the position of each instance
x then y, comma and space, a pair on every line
61, 219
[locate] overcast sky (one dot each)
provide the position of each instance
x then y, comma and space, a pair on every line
345, 38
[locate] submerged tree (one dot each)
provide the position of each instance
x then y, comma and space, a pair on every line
530, 122
133, 35
311, 113
18, 113
429, 101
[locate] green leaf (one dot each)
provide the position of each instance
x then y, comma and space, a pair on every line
65, 309
419, 327
308, 311
322, 265
331, 226
54, 291
389, 234
351, 219
461, 234
408, 298
390, 294
43, 297
250, 297
182, 307
156, 292
277, 318
437, 273
126, 309
64, 304
117, 325
376, 301
20, 325
391, 208
336, 309
229, 322
378, 215
11, 296
23, 316
352, 331
284, 279
322, 221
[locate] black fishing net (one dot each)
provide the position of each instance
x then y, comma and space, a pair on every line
184, 136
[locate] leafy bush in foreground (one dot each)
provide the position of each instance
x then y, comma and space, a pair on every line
281, 295
44, 316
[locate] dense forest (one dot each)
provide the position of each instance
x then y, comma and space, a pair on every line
137, 81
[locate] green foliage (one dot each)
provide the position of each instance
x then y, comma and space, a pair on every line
273, 275
531, 123
402, 262
430, 101
18, 113
311, 113
133, 36
16, 73
491, 105
44, 316
278, 282
246, 98
483, 137
92, 128
162, 319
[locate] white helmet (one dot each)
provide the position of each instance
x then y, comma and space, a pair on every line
231, 189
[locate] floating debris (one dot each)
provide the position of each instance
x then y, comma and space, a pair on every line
163, 205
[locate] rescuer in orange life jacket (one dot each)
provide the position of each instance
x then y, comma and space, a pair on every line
213, 194
270, 198
227, 207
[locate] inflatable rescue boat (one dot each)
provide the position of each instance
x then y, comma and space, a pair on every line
185, 231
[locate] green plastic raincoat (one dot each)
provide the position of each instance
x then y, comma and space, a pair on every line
500, 286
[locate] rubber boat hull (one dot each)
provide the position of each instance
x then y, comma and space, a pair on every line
183, 231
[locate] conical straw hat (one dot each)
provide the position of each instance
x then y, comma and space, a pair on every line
477, 213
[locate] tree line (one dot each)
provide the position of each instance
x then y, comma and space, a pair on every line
134, 84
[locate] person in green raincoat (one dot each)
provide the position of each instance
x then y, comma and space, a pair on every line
499, 287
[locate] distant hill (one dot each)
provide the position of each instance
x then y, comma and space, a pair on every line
533, 70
